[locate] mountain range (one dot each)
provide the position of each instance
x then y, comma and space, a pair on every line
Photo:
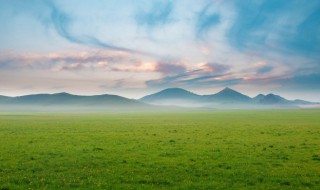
70, 102
177, 97
224, 98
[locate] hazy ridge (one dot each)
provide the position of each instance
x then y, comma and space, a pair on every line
171, 98
225, 98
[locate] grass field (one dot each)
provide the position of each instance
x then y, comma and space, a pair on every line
274, 149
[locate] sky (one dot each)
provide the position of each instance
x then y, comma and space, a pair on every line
136, 47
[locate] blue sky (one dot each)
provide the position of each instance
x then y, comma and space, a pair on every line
136, 47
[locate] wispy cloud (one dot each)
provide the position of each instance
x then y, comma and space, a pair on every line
169, 67
215, 68
264, 69
62, 23
303, 82
194, 81
138, 66
64, 61
203, 75
276, 26
206, 19
158, 14
89, 60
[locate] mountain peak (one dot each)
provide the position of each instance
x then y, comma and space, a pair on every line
271, 95
227, 90
172, 94
260, 95
174, 90
273, 99
63, 93
229, 95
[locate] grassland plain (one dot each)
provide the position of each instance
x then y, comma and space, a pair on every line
271, 149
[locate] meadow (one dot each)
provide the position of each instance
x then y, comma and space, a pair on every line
240, 149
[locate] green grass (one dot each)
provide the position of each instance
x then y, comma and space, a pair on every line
166, 150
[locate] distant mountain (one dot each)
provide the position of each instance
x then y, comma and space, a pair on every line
226, 98
65, 99
303, 102
228, 95
4, 98
273, 99
181, 97
258, 98
172, 96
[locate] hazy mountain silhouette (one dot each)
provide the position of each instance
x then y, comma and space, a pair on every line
4, 99
176, 96
227, 96
258, 98
225, 99
172, 96
274, 99
65, 99
302, 102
